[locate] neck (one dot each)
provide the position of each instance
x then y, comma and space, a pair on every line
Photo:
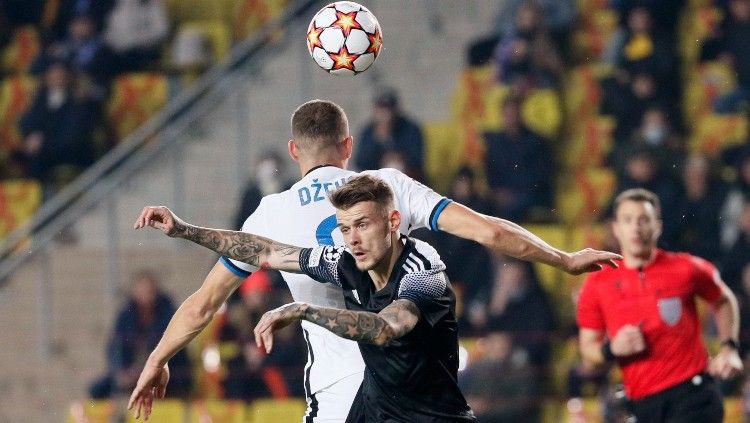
306, 165
382, 271
635, 261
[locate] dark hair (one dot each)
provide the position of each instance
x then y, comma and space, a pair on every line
639, 195
363, 188
319, 124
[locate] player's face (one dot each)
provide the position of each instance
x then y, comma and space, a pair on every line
636, 227
367, 233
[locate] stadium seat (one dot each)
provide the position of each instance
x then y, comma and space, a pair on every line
135, 98
217, 33
706, 83
16, 95
734, 410
276, 410
218, 412
181, 11
584, 194
19, 200
541, 112
165, 411
92, 411
594, 33
696, 23
589, 146
249, 15
583, 93
21, 51
443, 150
714, 133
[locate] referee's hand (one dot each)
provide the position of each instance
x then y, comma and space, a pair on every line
628, 341
726, 364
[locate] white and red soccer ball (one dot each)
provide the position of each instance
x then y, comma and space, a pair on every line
344, 38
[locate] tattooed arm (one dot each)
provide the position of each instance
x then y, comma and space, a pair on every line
393, 322
251, 249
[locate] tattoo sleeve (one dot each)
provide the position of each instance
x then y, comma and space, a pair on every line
392, 322
251, 249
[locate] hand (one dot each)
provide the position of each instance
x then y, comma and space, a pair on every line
276, 319
152, 383
160, 218
628, 341
726, 364
589, 260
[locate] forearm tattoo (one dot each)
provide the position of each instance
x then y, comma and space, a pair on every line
248, 248
362, 326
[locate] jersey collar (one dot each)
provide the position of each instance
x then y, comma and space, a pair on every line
317, 167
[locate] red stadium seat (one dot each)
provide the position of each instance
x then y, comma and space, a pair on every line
22, 50
714, 133
16, 95
135, 98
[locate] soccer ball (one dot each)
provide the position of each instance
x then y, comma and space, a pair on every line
344, 38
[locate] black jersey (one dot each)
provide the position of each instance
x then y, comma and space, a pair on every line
413, 378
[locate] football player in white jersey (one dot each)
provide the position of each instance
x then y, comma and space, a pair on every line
302, 215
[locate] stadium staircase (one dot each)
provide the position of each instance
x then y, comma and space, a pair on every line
63, 273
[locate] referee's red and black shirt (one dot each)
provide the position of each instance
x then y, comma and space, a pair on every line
660, 298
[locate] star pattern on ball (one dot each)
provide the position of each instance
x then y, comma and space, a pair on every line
313, 37
347, 22
343, 60
376, 41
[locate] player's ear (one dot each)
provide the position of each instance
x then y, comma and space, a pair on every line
293, 151
394, 220
348, 146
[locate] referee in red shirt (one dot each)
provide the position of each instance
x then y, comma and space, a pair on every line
643, 316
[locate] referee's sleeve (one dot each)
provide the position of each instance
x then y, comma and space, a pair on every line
589, 314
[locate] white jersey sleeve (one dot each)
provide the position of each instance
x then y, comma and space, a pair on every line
421, 204
254, 224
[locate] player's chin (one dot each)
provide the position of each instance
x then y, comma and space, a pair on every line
364, 265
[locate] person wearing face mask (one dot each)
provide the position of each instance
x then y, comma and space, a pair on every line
643, 316
391, 131
57, 130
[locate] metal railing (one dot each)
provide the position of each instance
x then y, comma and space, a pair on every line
142, 146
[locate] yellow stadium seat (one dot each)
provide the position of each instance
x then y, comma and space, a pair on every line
585, 194
590, 144
181, 11
276, 410
583, 93
734, 410
249, 15
218, 412
135, 98
706, 83
583, 410
164, 411
552, 410
714, 133
19, 200
443, 150
22, 50
217, 33
594, 33
92, 411
542, 113
696, 23
16, 96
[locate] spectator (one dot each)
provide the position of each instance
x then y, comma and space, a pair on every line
267, 180
135, 31
68, 10
256, 294
729, 44
518, 168
89, 57
657, 133
501, 386
518, 305
737, 257
739, 192
138, 328
695, 225
391, 130
57, 129
640, 169
468, 264
527, 57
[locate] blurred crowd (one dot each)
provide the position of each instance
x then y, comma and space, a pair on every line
515, 328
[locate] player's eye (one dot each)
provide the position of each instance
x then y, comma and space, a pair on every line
362, 226
344, 230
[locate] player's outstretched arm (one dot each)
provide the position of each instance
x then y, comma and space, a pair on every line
252, 249
393, 322
505, 237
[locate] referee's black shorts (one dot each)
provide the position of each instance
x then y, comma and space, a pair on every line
697, 400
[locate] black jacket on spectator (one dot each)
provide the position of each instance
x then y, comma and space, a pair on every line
406, 139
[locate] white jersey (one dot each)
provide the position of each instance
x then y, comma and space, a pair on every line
302, 216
